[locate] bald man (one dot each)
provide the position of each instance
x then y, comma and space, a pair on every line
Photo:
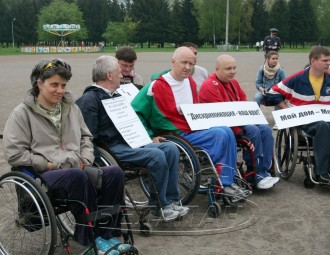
222, 87
158, 106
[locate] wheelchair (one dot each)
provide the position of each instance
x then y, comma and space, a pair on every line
293, 146
138, 182
208, 177
30, 215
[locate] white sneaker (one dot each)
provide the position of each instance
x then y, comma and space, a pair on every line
272, 180
183, 210
166, 214
244, 192
264, 184
275, 127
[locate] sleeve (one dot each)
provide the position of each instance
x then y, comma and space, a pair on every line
17, 140
259, 79
142, 104
86, 145
282, 75
90, 111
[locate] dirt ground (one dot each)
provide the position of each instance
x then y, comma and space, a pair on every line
288, 219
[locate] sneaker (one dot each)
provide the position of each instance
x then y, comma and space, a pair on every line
166, 214
183, 210
232, 194
264, 184
272, 180
244, 192
324, 178
275, 127
103, 246
121, 247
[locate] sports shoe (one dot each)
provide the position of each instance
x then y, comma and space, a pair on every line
103, 246
166, 214
232, 194
272, 180
275, 127
121, 247
264, 184
183, 210
244, 192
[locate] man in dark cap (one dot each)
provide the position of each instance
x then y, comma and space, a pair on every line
272, 42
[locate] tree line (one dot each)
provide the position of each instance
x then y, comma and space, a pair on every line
167, 21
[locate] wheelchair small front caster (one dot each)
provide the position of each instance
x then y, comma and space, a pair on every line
214, 210
308, 184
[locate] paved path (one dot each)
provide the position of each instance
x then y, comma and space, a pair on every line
288, 219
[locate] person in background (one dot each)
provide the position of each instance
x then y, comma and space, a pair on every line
126, 58
221, 86
310, 86
269, 74
47, 131
272, 41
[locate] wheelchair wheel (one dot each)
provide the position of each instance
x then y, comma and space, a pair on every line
27, 219
135, 186
189, 169
286, 151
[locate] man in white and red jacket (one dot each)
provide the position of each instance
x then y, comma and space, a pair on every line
310, 86
222, 87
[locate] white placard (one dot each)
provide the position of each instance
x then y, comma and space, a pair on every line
126, 121
129, 91
300, 115
230, 114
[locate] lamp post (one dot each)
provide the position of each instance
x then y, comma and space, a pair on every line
12, 31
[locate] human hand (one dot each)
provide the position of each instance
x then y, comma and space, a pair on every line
158, 139
50, 165
263, 91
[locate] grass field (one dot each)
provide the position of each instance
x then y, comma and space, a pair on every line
167, 48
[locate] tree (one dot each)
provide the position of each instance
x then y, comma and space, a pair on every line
154, 17
60, 12
259, 21
296, 22
245, 28
323, 14
310, 31
189, 21
211, 20
176, 27
5, 20
279, 18
120, 32
96, 15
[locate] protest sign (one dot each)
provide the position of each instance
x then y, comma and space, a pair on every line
300, 115
240, 113
126, 121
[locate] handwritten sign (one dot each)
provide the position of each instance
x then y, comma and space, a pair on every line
230, 114
129, 91
126, 121
301, 115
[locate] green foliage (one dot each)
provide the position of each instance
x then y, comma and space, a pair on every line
61, 12
121, 32
154, 16
279, 18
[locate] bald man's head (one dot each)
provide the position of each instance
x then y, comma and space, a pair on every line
182, 63
225, 68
